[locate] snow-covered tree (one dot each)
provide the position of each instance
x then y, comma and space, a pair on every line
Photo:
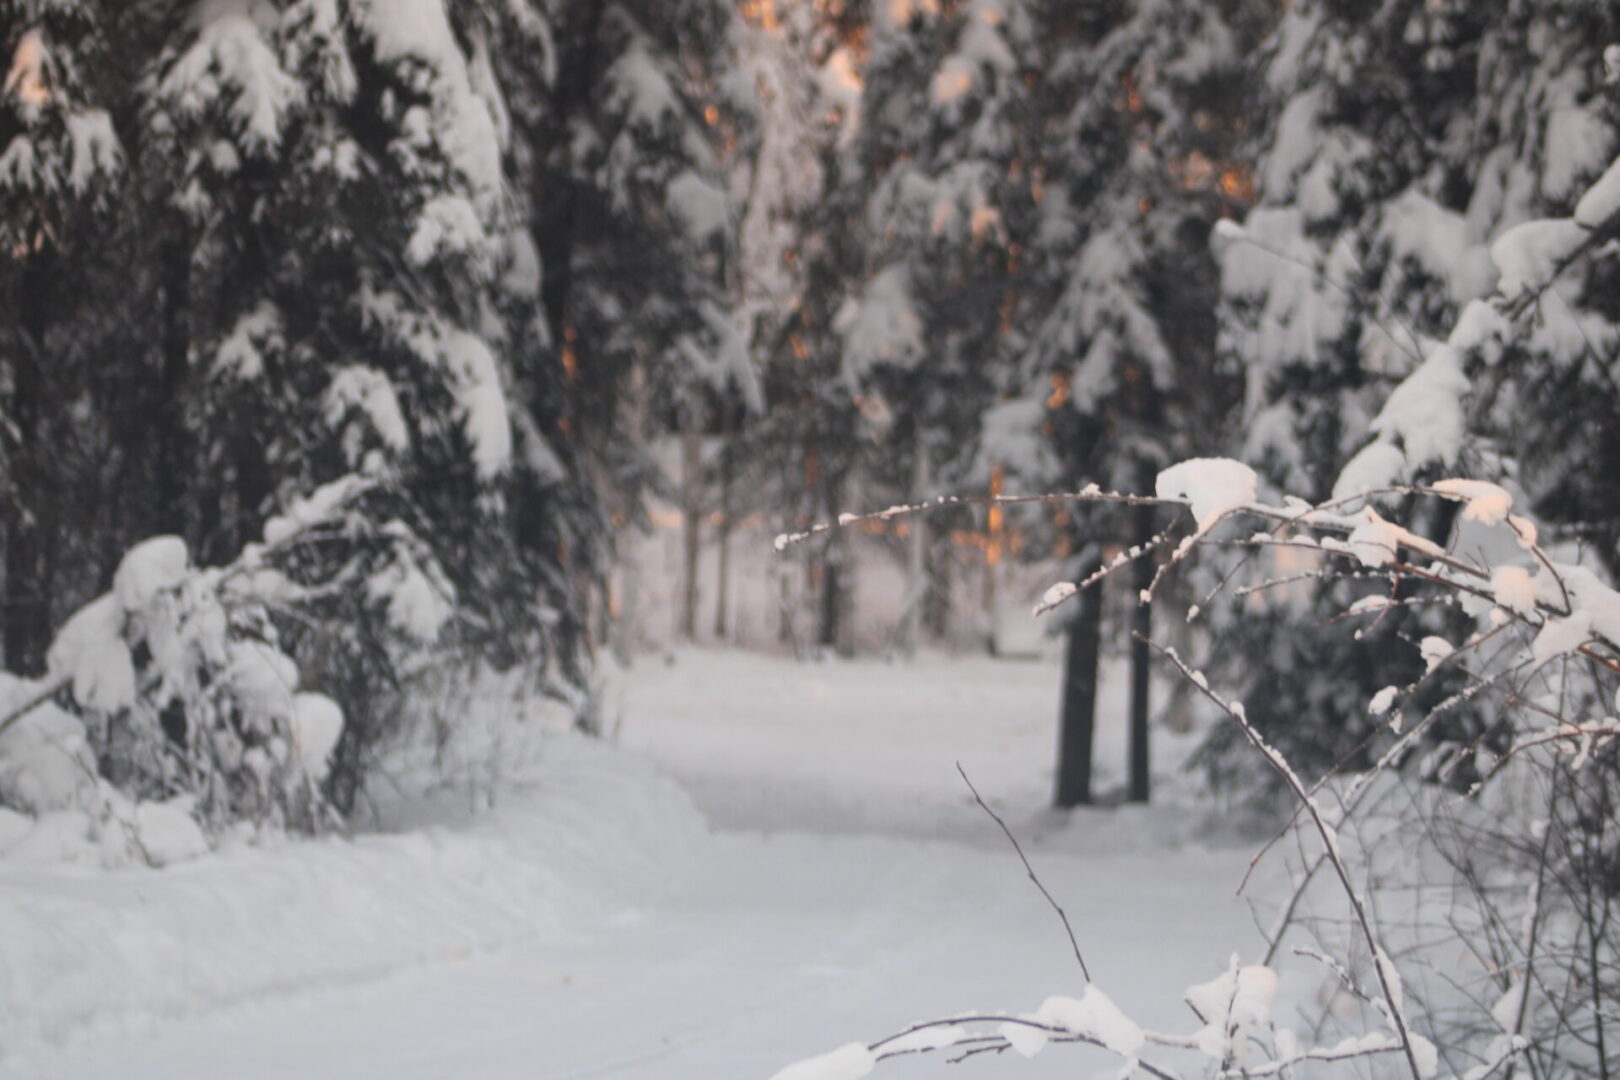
944, 153
62, 174
1114, 374
353, 279
1396, 142
636, 227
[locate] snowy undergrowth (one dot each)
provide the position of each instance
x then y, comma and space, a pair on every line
93, 949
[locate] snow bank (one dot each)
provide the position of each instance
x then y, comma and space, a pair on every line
95, 948
849, 1062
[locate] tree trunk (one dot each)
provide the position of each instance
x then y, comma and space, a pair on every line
827, 634
837, 629
916, 554
27, 628
24, 600
994, 534
1141, 657
173, 450
937, 603
1078, 722
691, 484
722, 584
629, 608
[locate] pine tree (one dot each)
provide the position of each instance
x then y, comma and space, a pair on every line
1141, 103
806, 446
1400, 138
638, 235
62, 179
943, 154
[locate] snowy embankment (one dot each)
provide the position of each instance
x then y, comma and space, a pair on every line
90, 948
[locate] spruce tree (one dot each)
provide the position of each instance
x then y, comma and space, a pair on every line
63, 179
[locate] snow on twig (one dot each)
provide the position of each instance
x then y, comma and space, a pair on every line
1090, 493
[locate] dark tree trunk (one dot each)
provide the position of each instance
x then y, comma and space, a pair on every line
1078, 720
254, 486
1141, 656
27, 598
937, 601
169, 515
722, 584
837, 629
691, 515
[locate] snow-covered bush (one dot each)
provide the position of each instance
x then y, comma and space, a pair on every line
1520, 869
234, 693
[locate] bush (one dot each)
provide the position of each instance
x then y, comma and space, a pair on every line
1503, 893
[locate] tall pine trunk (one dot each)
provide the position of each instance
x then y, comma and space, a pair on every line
1078, 718
1141, 657
691, 534
169, 515
27, 622
722, 584
910, 630
937, 601
836, 629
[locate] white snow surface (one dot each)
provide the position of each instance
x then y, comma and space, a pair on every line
1528, 256
264, 927
588, 925
849, 1062
1602, 200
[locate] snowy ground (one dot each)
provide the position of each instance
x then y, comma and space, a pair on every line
592, 925
867, 746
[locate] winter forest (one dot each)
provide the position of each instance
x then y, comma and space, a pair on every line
810, 538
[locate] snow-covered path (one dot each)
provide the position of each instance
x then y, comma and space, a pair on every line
750, 950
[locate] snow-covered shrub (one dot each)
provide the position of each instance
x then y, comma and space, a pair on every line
234, 693
1238, 1033
1456, 930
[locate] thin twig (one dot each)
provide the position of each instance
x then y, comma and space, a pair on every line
1075, 945
1382, 966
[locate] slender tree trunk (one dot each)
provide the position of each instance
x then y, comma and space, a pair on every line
990, 603
837, 629
784, 608
1078, 722
827, 634
1141, 657
722, 584
691, 510
254, 486
994, 534
937, 604
27, 597
24, 599
628, 615
916, 554
173, 450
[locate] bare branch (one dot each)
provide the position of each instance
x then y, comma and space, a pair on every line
1075, 945
1330, 840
